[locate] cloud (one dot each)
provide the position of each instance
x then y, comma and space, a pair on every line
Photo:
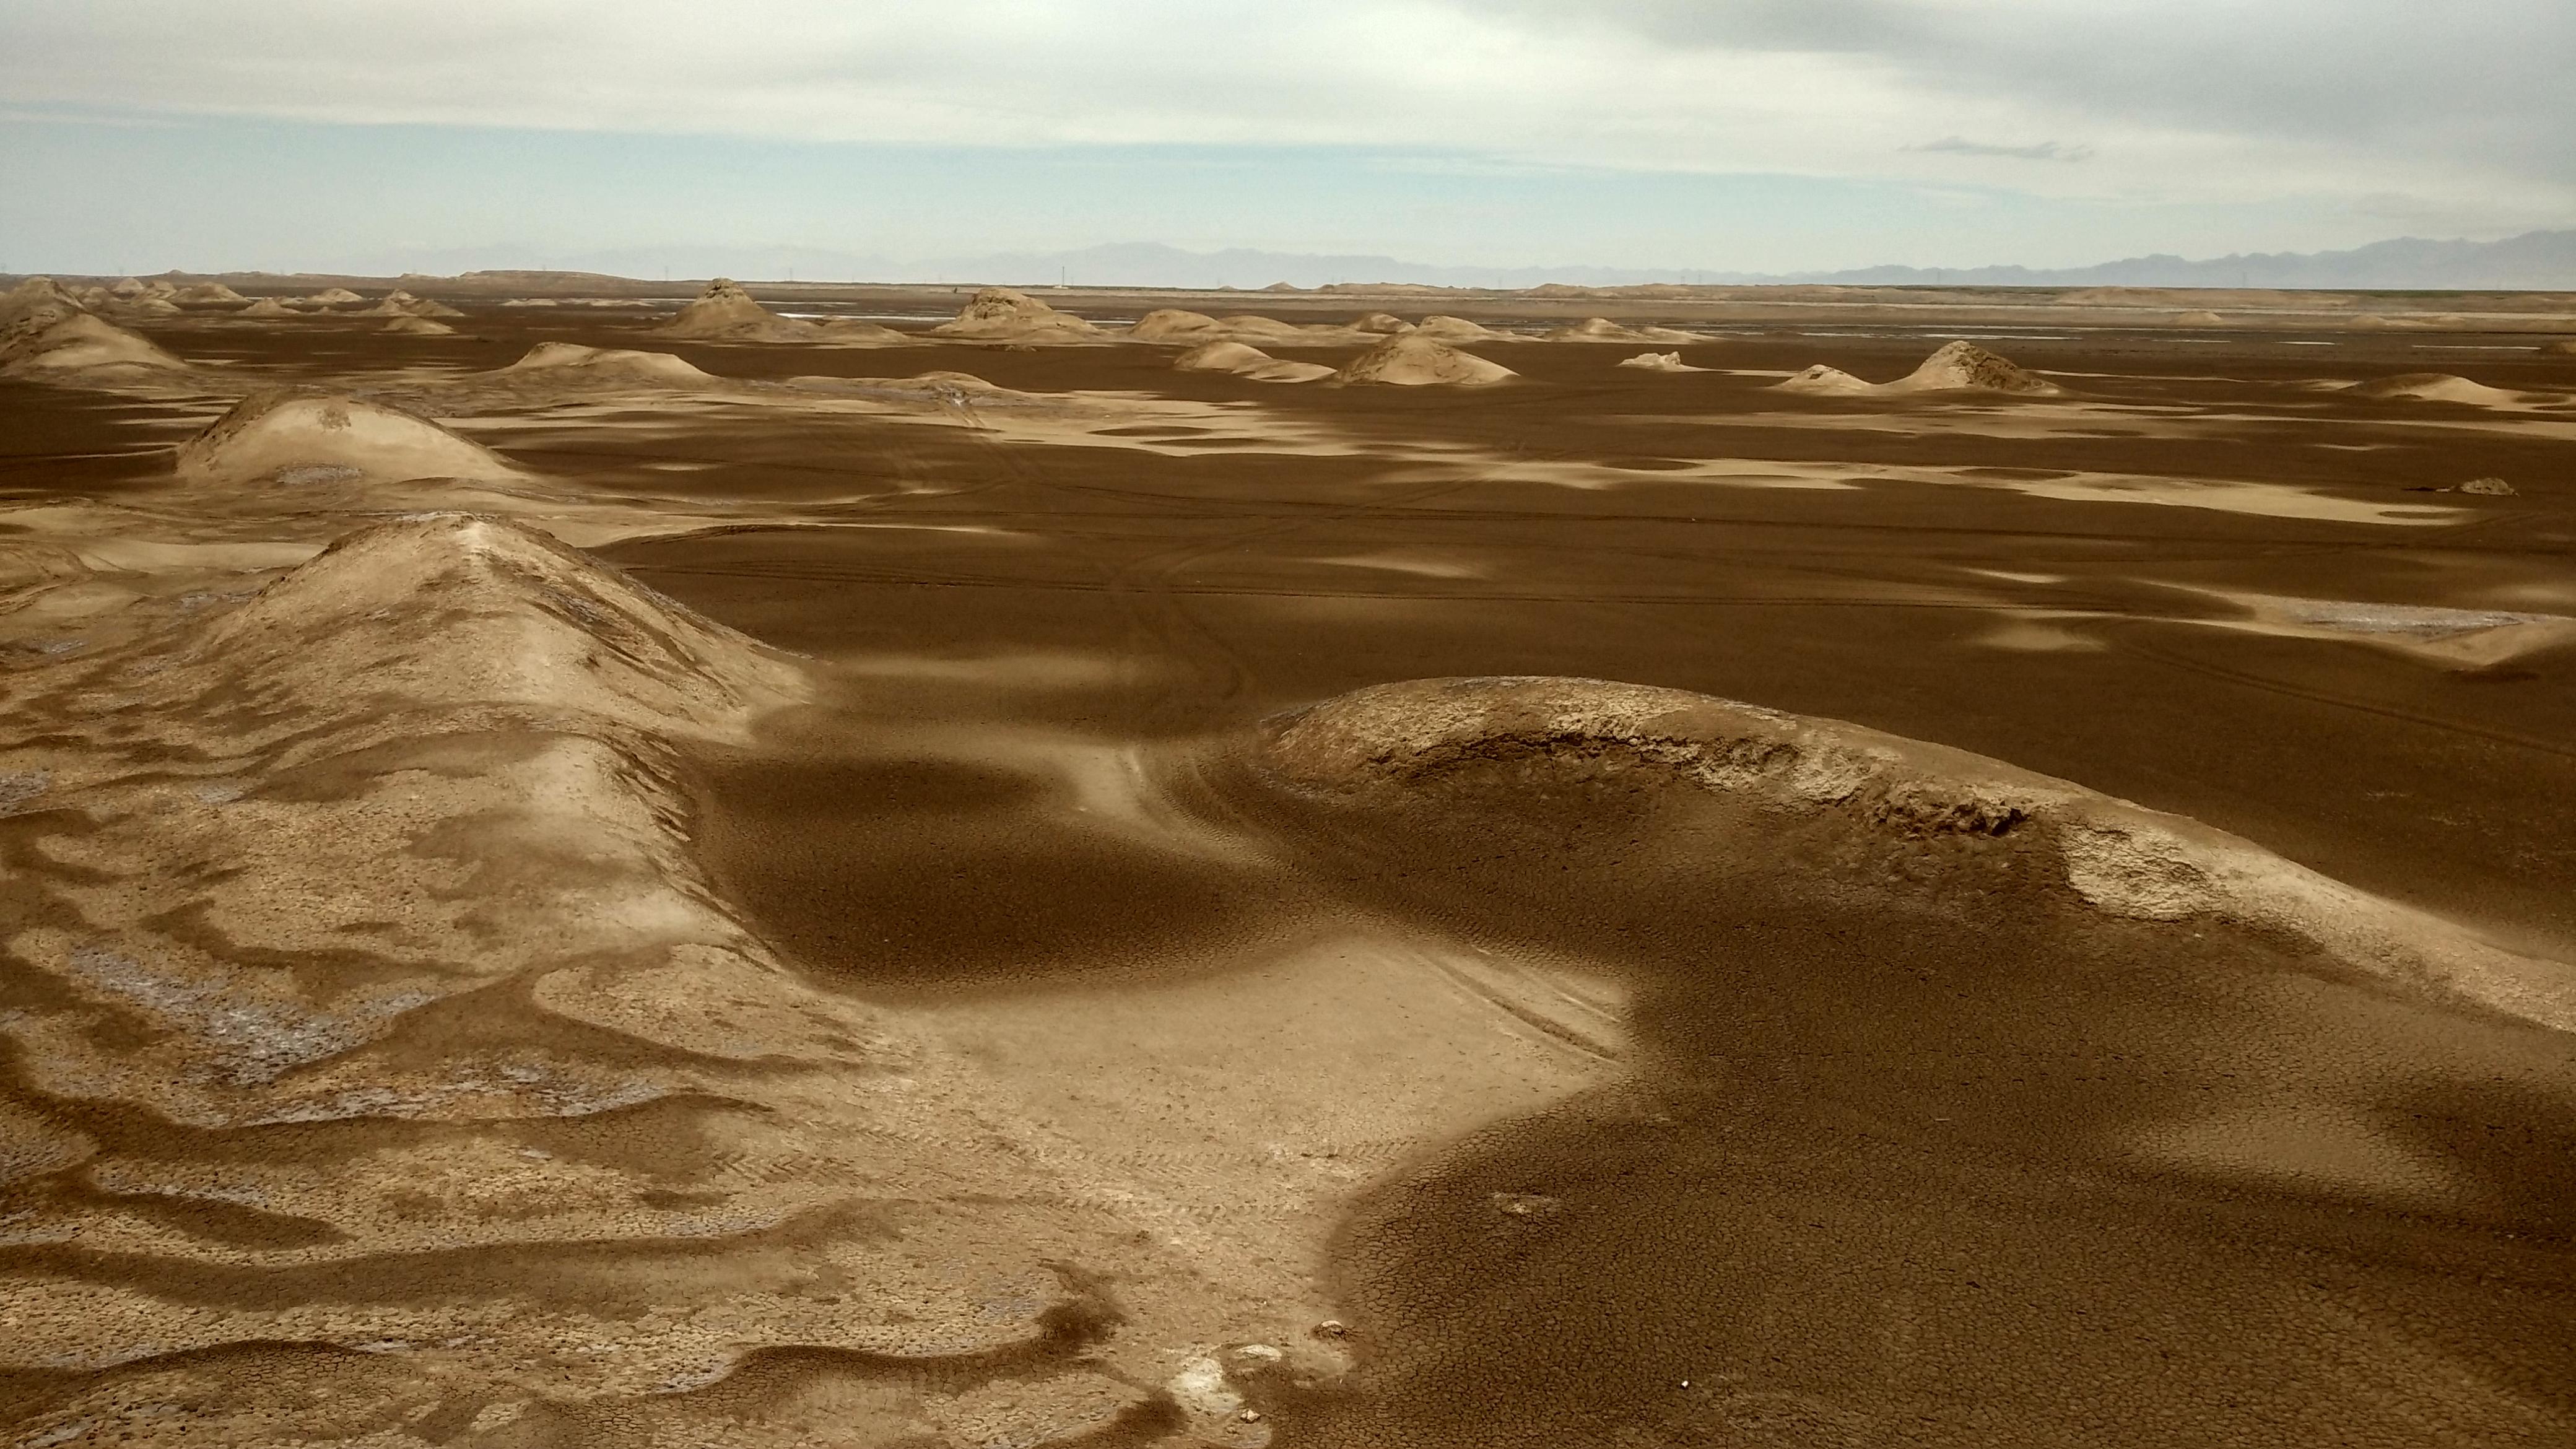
2044, 151
2461, 108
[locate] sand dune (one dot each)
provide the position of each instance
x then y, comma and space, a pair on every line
1659, 362
724, 312
1413, 359
292, 437
43, 332
1002, 314
1382, 323
2435, 387
417, 327
2200, 319
127, 287
1246, 361
1459, 329
334, 297
206, 294
1602, 329
268, 307
571, 359
1953, 367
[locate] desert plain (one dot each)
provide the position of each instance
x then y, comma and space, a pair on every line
593, 862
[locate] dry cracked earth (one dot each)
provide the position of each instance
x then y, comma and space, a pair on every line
871, 867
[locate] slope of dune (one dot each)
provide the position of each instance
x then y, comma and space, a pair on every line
1244, 360
1413, 359
295, 437
2434, 387
1003, 314
1172, 324
1602, 329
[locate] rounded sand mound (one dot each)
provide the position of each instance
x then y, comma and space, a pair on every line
1826, 382
334, 297
1659, 362
1602, 329
1414, 360
2200, 319
1166, 324
309, 438
126, 287
566, 359
1459, 329
418, 327
268, 307
1964, 366
2434, 387
2121, 859
1385, 324
1244, 360
207, 294
1005, 314
856, 332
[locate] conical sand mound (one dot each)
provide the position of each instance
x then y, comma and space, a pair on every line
2434, 387
1003, 314
295, 437
43, 332
1964, 366
1385, 324
267, 307
207, 294
418, 327
1414, 360
571, 360
460, 609
1171, 324
1244, 360
1602, 329
335, 297
1954, 367
724, 312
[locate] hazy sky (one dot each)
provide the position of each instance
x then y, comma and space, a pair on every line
1774, 135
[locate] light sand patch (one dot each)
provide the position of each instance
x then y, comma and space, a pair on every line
2037, 633
1659, 362
2472, 638
1421, 565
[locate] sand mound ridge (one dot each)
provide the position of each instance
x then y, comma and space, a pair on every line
1602, 329
1005, 314
1414, 360
2122, 859
1244, 360
570, 359
43, 331
295, 437
1659, 362
2434, 387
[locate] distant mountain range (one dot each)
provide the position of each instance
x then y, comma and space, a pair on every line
2534, 261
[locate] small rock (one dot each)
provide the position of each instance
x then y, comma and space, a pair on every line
1332, 1328
1250, 1416
2496, 487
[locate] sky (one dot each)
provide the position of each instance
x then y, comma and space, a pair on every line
1727, 135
